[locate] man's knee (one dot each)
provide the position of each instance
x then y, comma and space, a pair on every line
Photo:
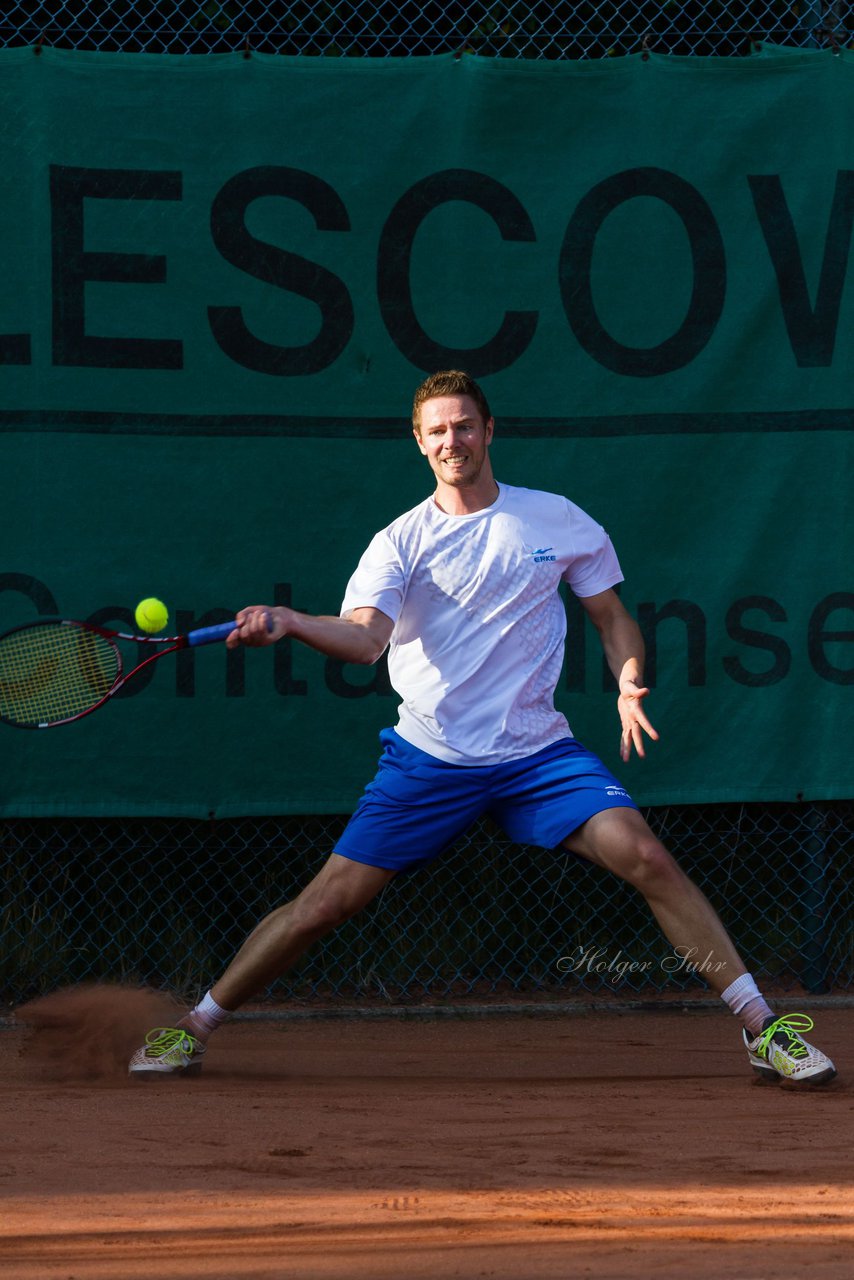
335, 896
650, 865
321, 912
620, 841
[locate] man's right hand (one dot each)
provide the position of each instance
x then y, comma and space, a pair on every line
258, 624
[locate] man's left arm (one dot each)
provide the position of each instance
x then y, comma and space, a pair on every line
624, 650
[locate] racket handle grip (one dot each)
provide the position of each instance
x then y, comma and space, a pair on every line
210, 635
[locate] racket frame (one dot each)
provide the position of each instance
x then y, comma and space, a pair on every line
190, 640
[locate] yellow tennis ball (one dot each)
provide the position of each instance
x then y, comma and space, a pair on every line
151, 614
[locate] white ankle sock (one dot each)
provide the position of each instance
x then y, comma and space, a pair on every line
205, 1018
747, 1002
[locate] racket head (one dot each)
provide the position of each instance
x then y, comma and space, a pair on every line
54, 671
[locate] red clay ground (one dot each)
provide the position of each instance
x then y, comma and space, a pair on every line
612, 1146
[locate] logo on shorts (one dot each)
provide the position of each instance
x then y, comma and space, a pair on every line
541, 555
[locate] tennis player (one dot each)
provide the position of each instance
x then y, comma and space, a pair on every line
463, 593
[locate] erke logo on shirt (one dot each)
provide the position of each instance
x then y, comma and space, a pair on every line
541, 556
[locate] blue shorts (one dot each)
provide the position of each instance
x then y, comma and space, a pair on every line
418, 806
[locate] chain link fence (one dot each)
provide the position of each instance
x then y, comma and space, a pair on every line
166, 903
402, 28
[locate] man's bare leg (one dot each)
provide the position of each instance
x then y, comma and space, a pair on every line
620, 841
339, 890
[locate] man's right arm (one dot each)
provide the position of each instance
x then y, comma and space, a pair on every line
361, 636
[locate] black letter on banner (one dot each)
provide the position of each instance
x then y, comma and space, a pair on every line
812, 330
34, 589
112, 615
73, 266
185, 659
15, 348
817, 637
334, 674
757, 640
575, 667
393, 272
709, 266
283, 656
283, 269
695, 633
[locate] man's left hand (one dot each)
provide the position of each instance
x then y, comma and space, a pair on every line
633, 719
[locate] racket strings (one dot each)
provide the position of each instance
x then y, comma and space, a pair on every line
54, 672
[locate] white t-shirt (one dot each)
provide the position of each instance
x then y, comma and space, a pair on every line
477, 645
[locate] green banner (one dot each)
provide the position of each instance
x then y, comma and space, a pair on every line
223, 278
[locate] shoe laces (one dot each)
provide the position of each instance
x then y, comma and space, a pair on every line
790, 1026
163, 1039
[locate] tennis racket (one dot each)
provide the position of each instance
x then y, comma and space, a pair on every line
56, 671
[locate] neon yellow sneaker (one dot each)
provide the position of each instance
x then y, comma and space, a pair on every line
779, 1053
167, 1051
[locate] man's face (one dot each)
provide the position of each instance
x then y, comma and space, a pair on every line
454, 439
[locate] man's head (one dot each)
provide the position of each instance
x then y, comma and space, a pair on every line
453, 426
449, 382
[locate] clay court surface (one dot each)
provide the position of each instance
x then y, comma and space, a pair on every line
604, 1145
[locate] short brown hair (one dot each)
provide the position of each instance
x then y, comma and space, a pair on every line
449, 382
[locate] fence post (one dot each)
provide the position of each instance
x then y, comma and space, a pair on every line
815, 964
